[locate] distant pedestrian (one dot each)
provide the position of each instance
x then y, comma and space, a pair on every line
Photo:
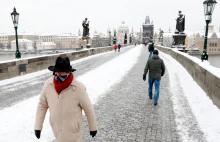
115, 47
150, 49
119, 47
65, 97
156, 68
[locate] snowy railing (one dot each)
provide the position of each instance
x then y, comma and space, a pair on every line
17, 67
205, 75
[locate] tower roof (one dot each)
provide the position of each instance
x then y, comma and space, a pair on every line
123, 26
147, 20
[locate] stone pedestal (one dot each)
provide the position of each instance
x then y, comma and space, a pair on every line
86, 42
179, 41
160, 41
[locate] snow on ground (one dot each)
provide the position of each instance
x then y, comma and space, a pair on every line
17, 122
38, 73
206, 113
205, 64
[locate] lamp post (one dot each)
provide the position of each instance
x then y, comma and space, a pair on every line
110, 38
209, 6
114, 38
15, 16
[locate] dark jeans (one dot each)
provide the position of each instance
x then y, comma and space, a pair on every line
156, 83
118, 49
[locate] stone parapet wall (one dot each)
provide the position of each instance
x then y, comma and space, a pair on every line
208, 81
24, 66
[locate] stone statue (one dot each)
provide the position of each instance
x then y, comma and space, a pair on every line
180, 23
85, 25
114, 38
160, 34
115, 33
125, 38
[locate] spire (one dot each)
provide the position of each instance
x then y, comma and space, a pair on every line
147, 20
79, 33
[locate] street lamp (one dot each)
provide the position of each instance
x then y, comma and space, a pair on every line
209, 6
15, 16
110, 37
114, 38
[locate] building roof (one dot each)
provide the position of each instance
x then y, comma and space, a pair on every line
48, 43
218, 34
27, 33
13, 34
48, 34
68, 35
7, 34
22, 40
123, 26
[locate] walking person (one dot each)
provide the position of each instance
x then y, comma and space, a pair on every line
115, 47
156, 68
65, 97
151, 49
119, 47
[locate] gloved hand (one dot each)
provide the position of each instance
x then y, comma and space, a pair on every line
37, 133
144, 77
93, 133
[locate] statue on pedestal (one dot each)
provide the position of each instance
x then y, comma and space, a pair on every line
161, 35
179, 36
85, 25
85, 37
114, 38
180, 23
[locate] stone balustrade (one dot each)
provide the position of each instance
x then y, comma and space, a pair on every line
208, 81
19, 67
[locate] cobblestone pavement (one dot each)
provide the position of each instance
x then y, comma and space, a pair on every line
125, 113
13, 93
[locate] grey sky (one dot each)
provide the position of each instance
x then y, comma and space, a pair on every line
62, 16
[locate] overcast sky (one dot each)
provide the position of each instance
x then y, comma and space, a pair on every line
61, 16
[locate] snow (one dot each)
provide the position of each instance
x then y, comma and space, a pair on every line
17, 122
205, 64
109, 73
206, 113
38, 73
14, 60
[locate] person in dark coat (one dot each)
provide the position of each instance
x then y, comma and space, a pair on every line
119, 47
151, 49
156, 68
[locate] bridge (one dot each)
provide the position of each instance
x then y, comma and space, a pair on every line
186, 112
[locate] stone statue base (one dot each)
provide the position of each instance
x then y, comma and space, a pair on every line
160, 43
86, 42
179, 41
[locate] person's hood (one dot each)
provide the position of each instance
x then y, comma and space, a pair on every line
155, 56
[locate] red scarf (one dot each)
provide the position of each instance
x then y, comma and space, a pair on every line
62, 85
